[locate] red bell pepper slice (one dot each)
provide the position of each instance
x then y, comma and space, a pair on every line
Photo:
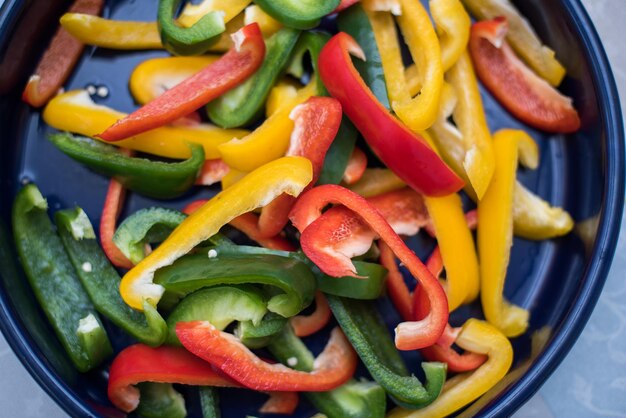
241, 61
58, 60
316, 123
397, 289
357, 164
305, 325
333, 367
527, 96
406, 153
317, 239
141, 363
248, 223
212, 172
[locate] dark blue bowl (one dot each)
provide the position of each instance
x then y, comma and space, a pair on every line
558, 280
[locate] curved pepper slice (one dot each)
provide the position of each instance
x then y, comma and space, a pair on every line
479, 337
523, 93
316, 123
113, 203
305, 325
140, 363
420, 112
368, 334
75, 112
305, 214
332, 368
367, 285
150, 178
59, 59
375, 181
267, 23
356, 167
522, 37
407, 154
495, 238
224, 74
285, 175
298, 14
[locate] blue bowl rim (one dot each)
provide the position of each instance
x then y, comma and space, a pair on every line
593, 280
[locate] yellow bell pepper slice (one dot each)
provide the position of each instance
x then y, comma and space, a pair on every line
285, 91
286, 175
469, 116
419, 112
495, 237
269, 141
376, 181
192, 13
522, 38
478, 337
75, 112
267, 23
232, 177
153, 77
453, 28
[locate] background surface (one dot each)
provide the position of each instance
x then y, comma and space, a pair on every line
591, 381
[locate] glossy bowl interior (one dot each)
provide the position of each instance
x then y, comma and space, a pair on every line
558, 280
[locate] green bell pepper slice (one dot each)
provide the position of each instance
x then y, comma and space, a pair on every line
292, 278
244, 104
299, 14
209, 402
55, 283
259, 335
355, 399
309, 43
353, 287
366, 330
151, 178
101, 281
160, 400
194, 40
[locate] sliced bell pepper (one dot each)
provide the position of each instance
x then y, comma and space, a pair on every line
495, 238
285, 175
527, 96
150, 178
113, 203
522, 38
140, 363
55, 283
305, 325
407, 154
338, 155
375, 181
192, 40
344, 4
267, 142
193, 13
244, 104
332, 368
397, 289
367, 285
75, 112
160, 400
355, 399
368, 334
453, 28
310, 43
420, 112
101, 281
212, 172
297, 14
356, 167
59, 59
267, 23
304, 216
216, 79
292, 280
260, 335
316, 123
220, 305
155, 76
209, 402
479, 337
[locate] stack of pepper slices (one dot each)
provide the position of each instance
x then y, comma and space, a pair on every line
199, 302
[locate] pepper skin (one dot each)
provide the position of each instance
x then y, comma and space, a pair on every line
298, 14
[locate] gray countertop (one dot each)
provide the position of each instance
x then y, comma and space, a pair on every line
591, 381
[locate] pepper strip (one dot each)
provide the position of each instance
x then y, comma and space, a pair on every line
285, 175
332, 368
304, 216
212, 172
495, 238
75, 112
113, 203
376, 181
356, 167
267, 23
305, 325
140, 363
522, 38
396, 287
369, 336
101, 281
479, 337
523, 93
226, 73
420, 112
316, 123
406, 150
58, 60
298, 14
156, 179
